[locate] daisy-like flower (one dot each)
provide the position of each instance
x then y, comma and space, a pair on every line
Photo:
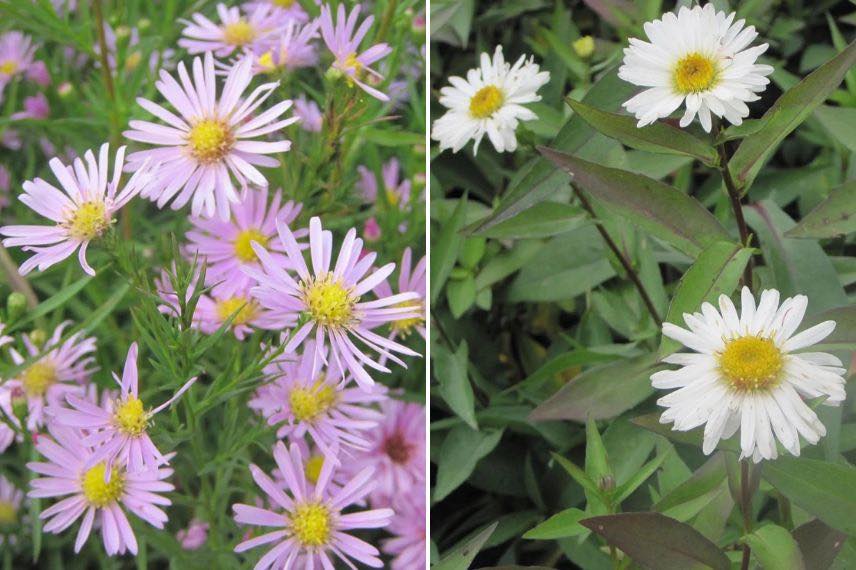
343, 40
288, 50
408, 282
396, 190
329, 302
311, 529
210, 140
489, 101
63, 368
747, 374
408, 529
120, 429
307, 110
16, 56
397, 452
194, 536
88, 491
235, 31
82, 212
10, 502
286, 9
700, 57
307, 399
225, 247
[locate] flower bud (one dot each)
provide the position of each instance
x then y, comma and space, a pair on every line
16, 305
584, 46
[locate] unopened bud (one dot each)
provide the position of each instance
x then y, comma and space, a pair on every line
133, 61
584, 46
38, 337
122, 32
606, 483
65, 89
144, 23
16, 305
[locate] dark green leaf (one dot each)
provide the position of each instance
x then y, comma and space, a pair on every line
833, 217
462, 449
775, 548
444, 252
541, 220
818, 543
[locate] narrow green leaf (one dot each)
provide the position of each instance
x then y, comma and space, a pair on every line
660, 137
775, 548
444, 252
462, 555
627, 489
455, 388
578, 475
560, 525
461, 450
597, 463
704, 480
52, 303
818, 543
663, 211
791, 109
835, 216
541, 220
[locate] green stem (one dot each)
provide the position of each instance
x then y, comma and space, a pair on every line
734, 194
386, 22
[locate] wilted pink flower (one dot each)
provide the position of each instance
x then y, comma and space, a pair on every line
309, 113
38, 73
210, 140
371, 230
409, 530
194, 536
343, 40
287, 50
81, 213
35, 107
311, 528
235, 31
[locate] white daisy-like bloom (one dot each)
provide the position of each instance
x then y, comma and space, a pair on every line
700, 57
489, 101
748, 373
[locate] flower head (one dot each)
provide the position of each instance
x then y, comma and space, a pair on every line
396, 191
211, 141
310, 525
489, 101
288, 10
194, 536
35, 107
81, 213
329, 300
410, 535
235, 31
747, 375
290, 49
10, 503
699, 57
307, 110
88, 491
343, 40
410, 280
16, 55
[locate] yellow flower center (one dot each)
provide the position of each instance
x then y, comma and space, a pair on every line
8, 67
210, 140
88, 221
243, 250
8, 513
265, 61
751, 364
310, 523
284, 3
313, 468
351, 62
239, 33
309, 403
227, 307
584, 46
693, 73
486, 102
38, 378
329, 303
405, 326
392, 197
133, 61
131, 417
98, 492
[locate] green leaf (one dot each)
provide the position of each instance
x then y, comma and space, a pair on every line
461, 450
627, 489
462, 555
597, 463
716, 272
791, 109
823, 489
444, 252
602, 392
461, 294
455, 388
818, 543
658, 542
663, 211
835, 216
541, 220
52, 303
774, 548
580, 477
840, 122
704, 480
560, 525
660, 137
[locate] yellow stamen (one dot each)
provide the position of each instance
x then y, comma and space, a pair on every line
328, 302
313, 468
89, 221
210, 140
38, 378
284, 3
693, 73
130, 416
310, 523
243, 250
8, 513
309, 403
265, 61
98, 492
351, 62
392, 196
486, 102
751, 364
239, 33
405, 326
584, 46
8, 67
227, 307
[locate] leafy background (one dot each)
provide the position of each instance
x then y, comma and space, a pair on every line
541, 405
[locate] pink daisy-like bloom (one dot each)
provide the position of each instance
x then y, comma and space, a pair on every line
210, 140
35, 107
194, 536
343, 40
408, 282
10, 504
225, 246
235, 31
286, 9
396, 190
307, 399
410, 534
90, 492
38, 74
120, 429
397, 452
82, 212
16, 55
311, 119
288, 50
62, 369
329, 302
311, 527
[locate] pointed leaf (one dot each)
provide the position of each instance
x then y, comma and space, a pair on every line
460, 452
818, 543
444, 252
450, 370
560, 525
462, 556
835, 216
578, 475
640, 477
775, 548
541, 220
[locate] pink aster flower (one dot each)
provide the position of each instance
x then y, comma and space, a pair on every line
307, 110
62, 368
288, 50
235, 31
5, 184
35, 107
82, 212
344, 42
210, 140
397, 452
395, 190
38, 74
409, 531
194, 536
307, 399
286, 9
225, 246
10, 504
408, 282
88, 491
371, 230
311, 529
120, 429
329, 302
16, 55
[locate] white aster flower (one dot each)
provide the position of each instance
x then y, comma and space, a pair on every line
490, 100
746, 375
699, 56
